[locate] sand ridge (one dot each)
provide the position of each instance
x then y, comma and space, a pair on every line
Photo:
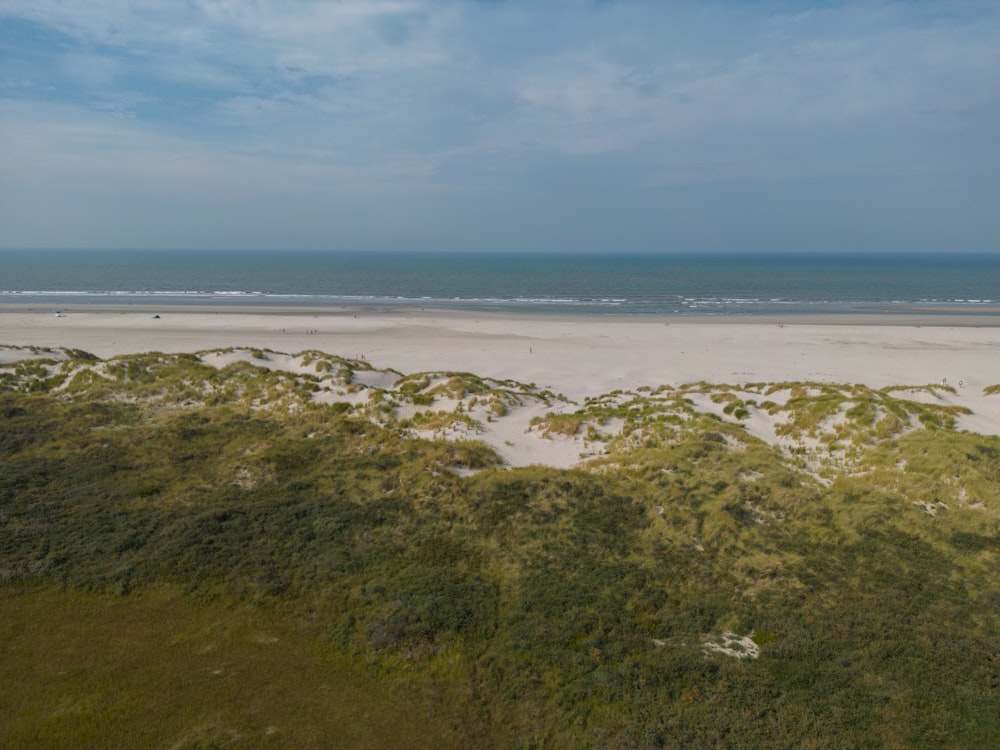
561, 362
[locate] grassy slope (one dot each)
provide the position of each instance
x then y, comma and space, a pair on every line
155, 669
150, 555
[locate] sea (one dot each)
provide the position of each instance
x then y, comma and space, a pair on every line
535, 283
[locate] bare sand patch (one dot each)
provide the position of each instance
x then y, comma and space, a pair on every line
561, 360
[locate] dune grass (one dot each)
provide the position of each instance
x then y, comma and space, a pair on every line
228, 571
155, 669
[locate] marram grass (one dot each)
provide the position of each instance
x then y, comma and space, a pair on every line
193, 557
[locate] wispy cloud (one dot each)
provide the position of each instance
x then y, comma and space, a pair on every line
455, 104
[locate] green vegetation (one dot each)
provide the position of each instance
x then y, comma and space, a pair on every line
559, 424
197, 557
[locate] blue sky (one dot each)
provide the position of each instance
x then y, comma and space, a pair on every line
561, 125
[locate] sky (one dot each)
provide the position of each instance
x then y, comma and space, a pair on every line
501, 125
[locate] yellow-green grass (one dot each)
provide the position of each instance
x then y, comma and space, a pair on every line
156, 670
204, 569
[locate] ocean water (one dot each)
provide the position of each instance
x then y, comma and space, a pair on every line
611, 284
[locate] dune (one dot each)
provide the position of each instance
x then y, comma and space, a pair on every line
569, 358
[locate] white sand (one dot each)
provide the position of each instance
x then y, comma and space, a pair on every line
577, 357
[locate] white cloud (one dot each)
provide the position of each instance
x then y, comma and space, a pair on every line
412, 99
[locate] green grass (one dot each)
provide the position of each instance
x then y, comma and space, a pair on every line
223, 571
157, 670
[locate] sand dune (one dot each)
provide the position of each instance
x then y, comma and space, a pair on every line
571, 358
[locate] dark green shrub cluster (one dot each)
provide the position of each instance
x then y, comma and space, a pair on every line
555, 608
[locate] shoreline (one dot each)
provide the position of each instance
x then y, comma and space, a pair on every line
869, 315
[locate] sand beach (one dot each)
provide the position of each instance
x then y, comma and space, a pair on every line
573, 355
576, 357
